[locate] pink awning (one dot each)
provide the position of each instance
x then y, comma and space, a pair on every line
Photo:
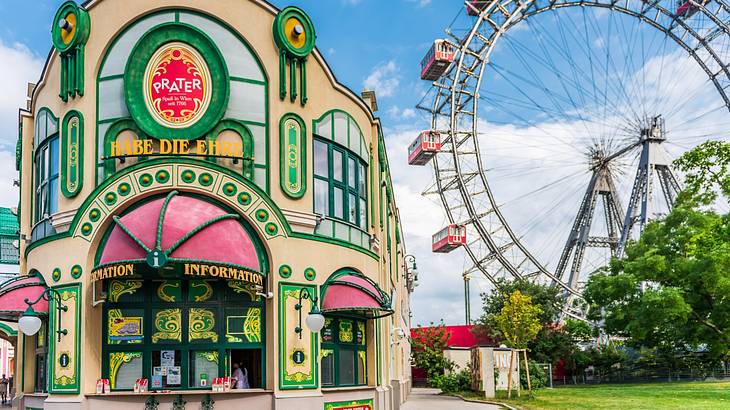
186, 229
15, 291
354, 293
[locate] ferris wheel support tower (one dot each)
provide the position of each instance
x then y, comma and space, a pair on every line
654, 161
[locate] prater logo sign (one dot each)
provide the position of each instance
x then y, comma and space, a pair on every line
177, 85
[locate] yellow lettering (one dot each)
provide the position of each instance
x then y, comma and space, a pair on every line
165, 146
138, 147
114, 148
185, 147
200, 147
147, 146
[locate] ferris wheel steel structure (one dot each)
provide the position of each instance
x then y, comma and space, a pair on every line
461, 181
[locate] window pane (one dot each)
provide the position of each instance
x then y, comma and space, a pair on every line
166, 369
363, 216
54, 157
124, 369
321, 197
337, 165
125, 326
167, 326
361, 180
202, 326
53, 196
328, 367
351, 208
351, 170
346, 366
361, 367
338, 203
341, 128
203, 368
320, 159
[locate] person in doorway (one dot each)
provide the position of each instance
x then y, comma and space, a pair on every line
240, 375
4, 384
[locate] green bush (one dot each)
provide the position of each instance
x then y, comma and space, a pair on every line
538, 376
454, 382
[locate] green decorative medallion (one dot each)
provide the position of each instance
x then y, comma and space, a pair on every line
262, 215
124, 189
176, 89
71, 27
229, 189
56, 274
244, 198
294, 36
76, 271
285, 271
292, 155
310, 274
205, 179
94, 215
145, 180
72, 154
188, 176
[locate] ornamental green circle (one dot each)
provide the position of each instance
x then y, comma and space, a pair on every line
205, 179
229, 189
271, 228
188, 176
134, 74
244, 198
124, 189
83, 24
110, 198
285, 271
76, 271
280, 35
310, 274
145, 180
56, 274
262, 215
86, 229
162, 176
94, 215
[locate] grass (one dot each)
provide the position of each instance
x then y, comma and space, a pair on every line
649, 396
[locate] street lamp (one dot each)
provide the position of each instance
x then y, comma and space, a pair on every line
314, 320
30, 323
411, 275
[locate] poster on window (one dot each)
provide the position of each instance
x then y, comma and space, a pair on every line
350, 405
125, 329
167, 358
173, 376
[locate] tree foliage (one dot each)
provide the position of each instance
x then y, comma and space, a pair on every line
671, 290
519, 320
427, 350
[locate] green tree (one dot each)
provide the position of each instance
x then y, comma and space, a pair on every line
671, 288
519, 320
427, 351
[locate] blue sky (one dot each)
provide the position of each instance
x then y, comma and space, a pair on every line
556, 85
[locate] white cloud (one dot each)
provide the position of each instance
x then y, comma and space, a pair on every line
384, 79
351, 2
420, 3
405, 114
22, 67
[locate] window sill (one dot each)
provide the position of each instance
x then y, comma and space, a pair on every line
178, 392
346, 388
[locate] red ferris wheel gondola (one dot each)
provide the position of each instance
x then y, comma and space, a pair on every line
437, 60
424, 147
449, 239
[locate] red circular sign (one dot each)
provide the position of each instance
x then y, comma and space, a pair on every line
177, 85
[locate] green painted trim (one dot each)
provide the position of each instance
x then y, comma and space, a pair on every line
134, 74
247, 80
72, 155
293, 157
314, 339
337, 405
74, 386
334, 241
7, 330
111, 77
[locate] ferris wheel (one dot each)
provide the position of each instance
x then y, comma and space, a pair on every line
554, 124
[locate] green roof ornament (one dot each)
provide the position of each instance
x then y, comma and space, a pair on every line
70, 31
295, 37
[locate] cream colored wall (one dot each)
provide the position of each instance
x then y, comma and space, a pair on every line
253, 21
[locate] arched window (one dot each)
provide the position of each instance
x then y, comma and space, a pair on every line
233, 148
120, 141
46, 157
340, 177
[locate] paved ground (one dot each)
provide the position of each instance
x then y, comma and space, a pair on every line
429, 399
